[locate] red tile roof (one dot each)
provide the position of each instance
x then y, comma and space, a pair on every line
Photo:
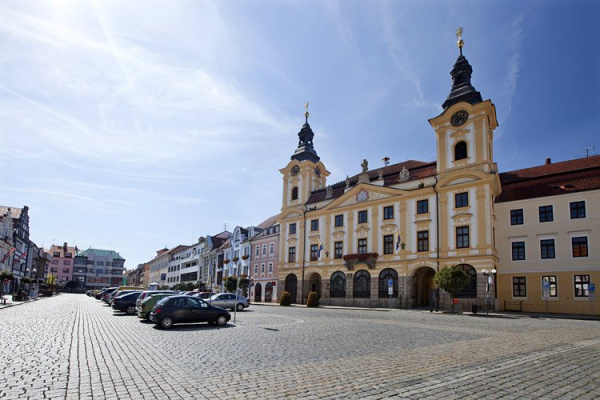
571, 176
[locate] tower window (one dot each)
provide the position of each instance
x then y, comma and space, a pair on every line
460, 151
295, 193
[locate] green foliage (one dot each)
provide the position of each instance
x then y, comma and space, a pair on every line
185, 286
451, 279
285, 299
230, 282
6, 275
312, 300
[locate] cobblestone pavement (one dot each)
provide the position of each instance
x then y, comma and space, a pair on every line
75, 347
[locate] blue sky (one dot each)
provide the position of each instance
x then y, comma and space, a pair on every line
138, 125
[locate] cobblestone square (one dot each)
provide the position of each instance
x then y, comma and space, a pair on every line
73, 346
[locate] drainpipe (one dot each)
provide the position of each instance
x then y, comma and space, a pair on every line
437, 239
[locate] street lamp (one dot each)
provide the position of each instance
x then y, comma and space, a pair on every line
489, 281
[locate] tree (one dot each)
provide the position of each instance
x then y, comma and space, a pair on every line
230, 283
451, 279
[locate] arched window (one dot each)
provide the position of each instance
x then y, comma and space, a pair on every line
469, 291
460, 151
362, 284
337, 285
295, 193
384, 279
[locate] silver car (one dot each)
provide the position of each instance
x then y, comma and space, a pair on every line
229, 300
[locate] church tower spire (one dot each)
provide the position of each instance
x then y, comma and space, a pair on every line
462, 90
306, 150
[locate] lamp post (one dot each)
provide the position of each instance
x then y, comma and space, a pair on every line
489, 281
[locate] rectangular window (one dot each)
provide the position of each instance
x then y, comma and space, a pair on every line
582, 285
519, 286
388, 244
461, 200
518, 251
271, 248
338, 249
270, 267
256, 266
547, 248
314, 252
422, 206
257, 250
339, 220
293, 229
65, 270
314, 225
55, 262
462, 237
423, 241
362, 217
580, 247
516, 217
388, 212
264, 249
362, 246
577, 209
552, 285
546, 214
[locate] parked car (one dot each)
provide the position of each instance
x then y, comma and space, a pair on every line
230, 301
144, 307
118, 292
107, 293
126, 302
147, 293
185, 309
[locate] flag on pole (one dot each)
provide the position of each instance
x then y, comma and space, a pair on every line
398, 239
12, 250
320, 248
20, 257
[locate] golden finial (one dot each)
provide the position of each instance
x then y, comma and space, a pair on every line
306, 114
460, 42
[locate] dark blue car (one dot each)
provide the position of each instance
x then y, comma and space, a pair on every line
187, 309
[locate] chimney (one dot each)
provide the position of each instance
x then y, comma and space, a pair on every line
65, 246
548, 161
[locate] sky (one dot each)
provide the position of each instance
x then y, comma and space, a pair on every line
134, 126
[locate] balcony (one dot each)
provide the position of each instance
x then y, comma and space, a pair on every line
350, 260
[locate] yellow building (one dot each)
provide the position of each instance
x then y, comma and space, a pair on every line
378, 238
548, 219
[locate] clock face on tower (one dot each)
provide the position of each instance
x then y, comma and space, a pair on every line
459, 118
295, 170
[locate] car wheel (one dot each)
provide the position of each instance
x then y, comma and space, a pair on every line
221, 320
131, 310
240, 307
166, 322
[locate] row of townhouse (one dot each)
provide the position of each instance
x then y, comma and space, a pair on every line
18, 254
90, 269
213, 258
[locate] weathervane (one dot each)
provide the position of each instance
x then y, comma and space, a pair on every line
460, 42
306, 114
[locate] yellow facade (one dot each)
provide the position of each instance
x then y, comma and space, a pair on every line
365, 214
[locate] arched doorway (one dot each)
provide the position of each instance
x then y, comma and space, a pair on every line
422, 285
314, 284
257, 292
268, 292
291, 285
